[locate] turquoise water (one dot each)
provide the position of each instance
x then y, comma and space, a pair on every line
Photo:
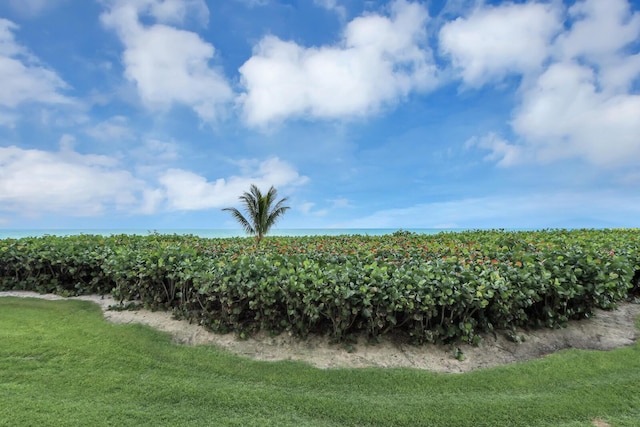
211, 233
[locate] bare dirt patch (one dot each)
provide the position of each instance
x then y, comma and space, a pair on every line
606, 331
597, 422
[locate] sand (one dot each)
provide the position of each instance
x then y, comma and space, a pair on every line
605, 331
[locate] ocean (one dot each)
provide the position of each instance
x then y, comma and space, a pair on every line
215, 233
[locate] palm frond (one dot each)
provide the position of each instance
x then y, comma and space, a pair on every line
261, 211
242, 220
251, 202
277, 212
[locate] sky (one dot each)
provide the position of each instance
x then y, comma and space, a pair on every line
156, 114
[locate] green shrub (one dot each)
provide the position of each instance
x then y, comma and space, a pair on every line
432, 288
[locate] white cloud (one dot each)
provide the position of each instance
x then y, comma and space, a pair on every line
306, 207
340, 202
631, 179
253, 3
601, 29
152, 157
33, 8
152, 199
24, 79
8, 119
168, 65
186, 190
584, 103
113, 129
36, 182
161, 150
177, 11
8, 45
333, 6
502, 152
616, 28
379, 61
541, 210
494, 41
310, 208
564, 115
618, 74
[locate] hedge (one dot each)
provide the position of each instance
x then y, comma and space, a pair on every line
431, 288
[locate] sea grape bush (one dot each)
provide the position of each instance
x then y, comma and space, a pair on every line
66, 266
432, 288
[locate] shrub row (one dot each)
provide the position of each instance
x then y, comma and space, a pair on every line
433, 288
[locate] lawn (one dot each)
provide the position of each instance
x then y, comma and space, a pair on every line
62, 364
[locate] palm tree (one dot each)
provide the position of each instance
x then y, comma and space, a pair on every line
263, 211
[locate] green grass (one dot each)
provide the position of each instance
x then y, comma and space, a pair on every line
61, 364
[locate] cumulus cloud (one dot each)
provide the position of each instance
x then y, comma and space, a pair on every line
187, 191
583, 102
617, 28
35, 182
24, 79
611, 21
379, 61
494, 41
38, 182
168, 65
565, 115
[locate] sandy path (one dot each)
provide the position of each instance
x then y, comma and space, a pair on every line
607, 330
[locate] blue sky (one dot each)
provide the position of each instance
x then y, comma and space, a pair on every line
156, 114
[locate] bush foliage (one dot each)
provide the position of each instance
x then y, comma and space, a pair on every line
432, 288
